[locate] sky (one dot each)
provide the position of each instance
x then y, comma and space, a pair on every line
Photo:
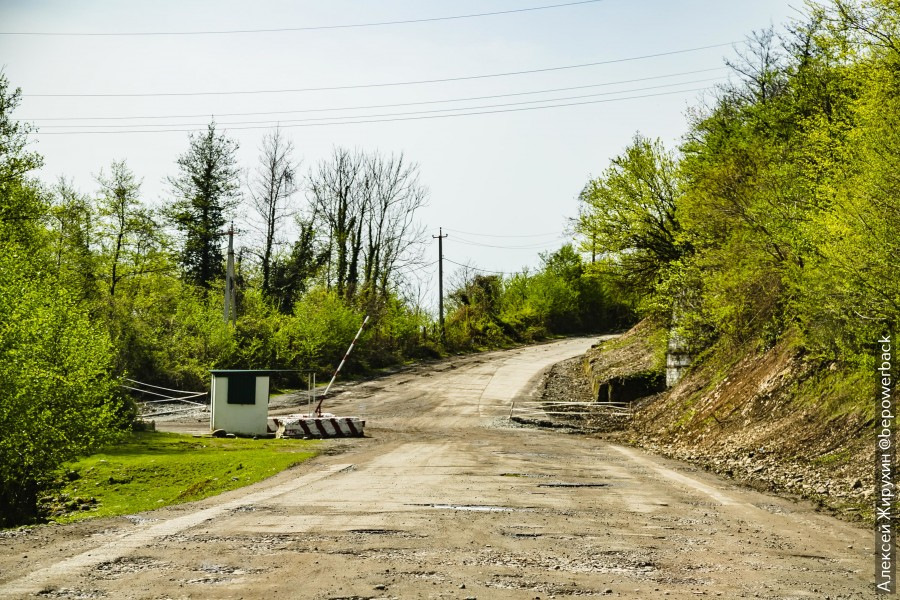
502, 184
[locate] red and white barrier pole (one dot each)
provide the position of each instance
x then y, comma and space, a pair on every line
338, 370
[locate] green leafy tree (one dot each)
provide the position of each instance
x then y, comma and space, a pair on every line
57, 399
131, 243
22, 203
71, 229
206, 190
629, 213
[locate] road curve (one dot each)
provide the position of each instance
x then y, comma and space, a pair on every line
445, 500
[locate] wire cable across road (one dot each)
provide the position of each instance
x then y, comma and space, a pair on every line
295, 29
390, 83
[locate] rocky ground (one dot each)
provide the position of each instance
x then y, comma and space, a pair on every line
838, 481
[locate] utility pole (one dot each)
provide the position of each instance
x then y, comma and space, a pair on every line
230, 309
440, 238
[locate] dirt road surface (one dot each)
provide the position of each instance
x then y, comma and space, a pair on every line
445, 500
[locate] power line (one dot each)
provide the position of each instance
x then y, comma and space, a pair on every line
293, 29
413, 268
504, 236
382, 120
533, 246
388, 84
476, 268
433, 111
395, 105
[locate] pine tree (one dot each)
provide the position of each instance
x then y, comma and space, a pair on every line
206, 190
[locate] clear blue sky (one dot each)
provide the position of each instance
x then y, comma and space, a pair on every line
500, 174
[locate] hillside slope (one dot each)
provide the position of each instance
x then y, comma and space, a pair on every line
769, 418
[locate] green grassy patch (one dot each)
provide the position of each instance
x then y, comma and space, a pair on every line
150, 470
834, 458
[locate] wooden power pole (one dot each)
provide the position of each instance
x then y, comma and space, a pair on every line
440, 238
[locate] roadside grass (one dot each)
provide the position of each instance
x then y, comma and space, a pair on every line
150, 470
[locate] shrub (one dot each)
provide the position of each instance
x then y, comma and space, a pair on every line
57, 399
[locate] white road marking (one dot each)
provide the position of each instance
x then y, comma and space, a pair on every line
684, 480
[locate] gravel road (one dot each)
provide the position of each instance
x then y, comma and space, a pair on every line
444, 499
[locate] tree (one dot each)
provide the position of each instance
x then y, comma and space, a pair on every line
394, 194
473, 315
334, 188
22, 203
629, 212
57, 399
206, 190
274, 183
128, 233
367, 204
71, 235
291, 272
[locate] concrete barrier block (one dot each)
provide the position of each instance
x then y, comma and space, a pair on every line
326, 426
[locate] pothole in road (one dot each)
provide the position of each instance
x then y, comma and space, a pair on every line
531, 454
534, 475
251, 544
563, 484
390, 532
474, 507
522, 536
70, 594
226, 570
259, 508
427, 575
588, 560
511, 582
139, 520
126, 565
220, 574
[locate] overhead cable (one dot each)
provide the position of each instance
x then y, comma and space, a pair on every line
475, 268
294, 29
395, 105
269, 122
359, 120
387, 84
491, 235
533, 246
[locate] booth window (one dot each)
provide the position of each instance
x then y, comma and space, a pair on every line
241, 388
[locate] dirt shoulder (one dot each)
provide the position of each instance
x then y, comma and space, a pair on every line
752, 421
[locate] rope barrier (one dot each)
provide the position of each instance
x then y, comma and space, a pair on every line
159, 387
185, 398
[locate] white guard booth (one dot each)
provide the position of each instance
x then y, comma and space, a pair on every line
239, 401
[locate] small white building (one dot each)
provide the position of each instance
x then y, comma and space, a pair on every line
239, 401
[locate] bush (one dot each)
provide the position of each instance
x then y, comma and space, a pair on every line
57, 399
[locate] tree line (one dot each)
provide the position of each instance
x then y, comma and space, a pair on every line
100, 286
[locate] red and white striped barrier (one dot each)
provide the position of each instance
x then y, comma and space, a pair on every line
326, 426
